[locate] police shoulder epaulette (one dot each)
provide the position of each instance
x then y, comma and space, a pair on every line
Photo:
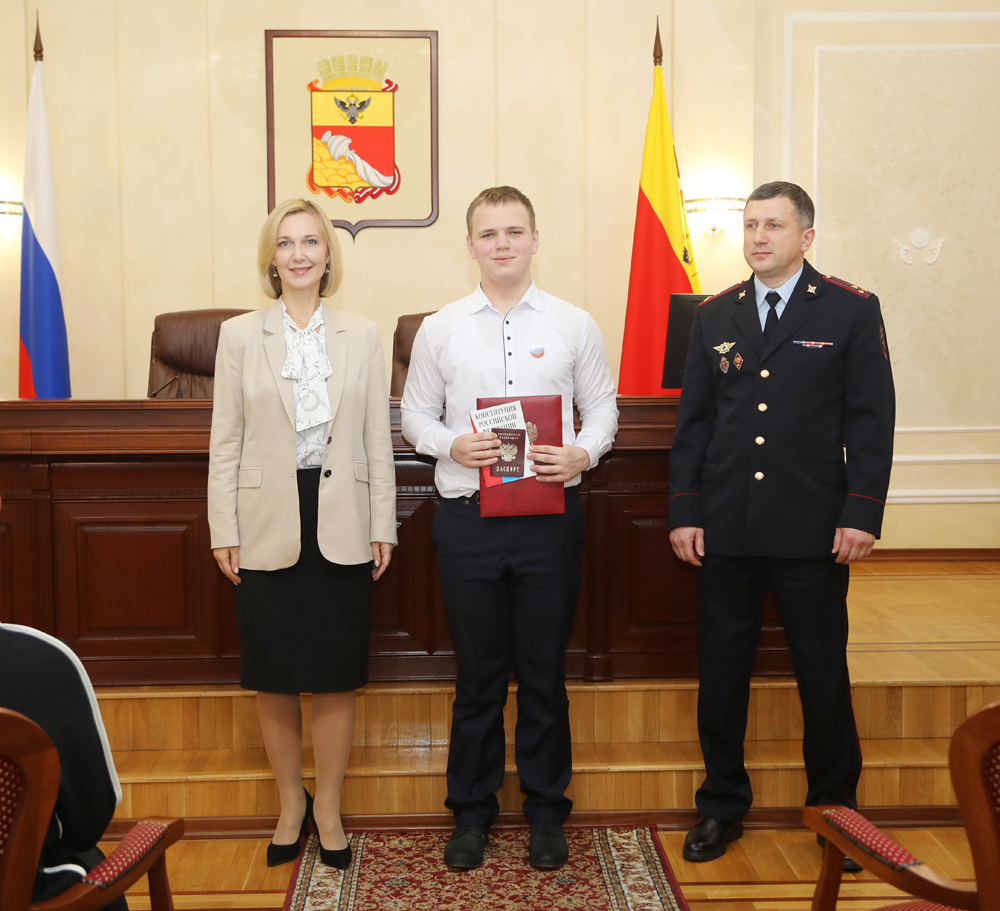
847, 286
720, 294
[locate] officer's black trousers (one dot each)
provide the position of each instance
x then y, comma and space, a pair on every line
510, 586
812, 600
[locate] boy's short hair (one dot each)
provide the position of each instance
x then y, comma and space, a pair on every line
497, 196
805, 211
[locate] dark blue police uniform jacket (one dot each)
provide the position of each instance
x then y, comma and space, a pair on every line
758, 458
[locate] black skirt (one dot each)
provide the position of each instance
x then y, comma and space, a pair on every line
304, 629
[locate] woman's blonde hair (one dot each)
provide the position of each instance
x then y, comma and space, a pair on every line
267, 245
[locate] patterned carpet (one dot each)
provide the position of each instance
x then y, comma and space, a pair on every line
613, 869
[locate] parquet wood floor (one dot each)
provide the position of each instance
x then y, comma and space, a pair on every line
766, 870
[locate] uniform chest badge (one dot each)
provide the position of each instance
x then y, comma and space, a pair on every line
724, 347
724, 365
738, 360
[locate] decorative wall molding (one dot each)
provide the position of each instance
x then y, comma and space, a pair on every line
985, 458
788, 55
983, 429
919, 239
910, 497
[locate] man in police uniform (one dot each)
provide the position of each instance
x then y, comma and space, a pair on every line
784, 372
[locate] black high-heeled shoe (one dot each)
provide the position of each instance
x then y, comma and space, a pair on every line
285, 854
339, 858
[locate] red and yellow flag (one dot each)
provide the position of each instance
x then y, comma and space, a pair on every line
662, 259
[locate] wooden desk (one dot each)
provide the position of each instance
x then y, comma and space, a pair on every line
104, 542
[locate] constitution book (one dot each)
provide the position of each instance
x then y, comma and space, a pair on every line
540, 418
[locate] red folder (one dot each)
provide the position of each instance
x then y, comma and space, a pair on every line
528, 497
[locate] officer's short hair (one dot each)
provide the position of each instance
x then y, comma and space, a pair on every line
497, 196
805, 211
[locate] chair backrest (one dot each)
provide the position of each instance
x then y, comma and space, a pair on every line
29, 782
402, 344
44, 680
183, 346
974, 759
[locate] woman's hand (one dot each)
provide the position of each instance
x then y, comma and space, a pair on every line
381, 555
228, 559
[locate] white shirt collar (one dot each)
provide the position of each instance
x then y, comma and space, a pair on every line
533, 297
784, 291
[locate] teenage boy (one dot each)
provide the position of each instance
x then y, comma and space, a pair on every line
510, 583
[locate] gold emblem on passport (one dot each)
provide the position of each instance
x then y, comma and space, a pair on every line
724, 348
508, 452
532, 431
738, 360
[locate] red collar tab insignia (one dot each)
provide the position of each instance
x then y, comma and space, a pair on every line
881, 338
724, 365
810, 289
724, 348
738, 360
813, 344
847, 286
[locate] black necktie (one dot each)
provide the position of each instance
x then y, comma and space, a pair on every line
772, 298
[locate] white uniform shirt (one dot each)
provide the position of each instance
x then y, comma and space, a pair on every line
469, 350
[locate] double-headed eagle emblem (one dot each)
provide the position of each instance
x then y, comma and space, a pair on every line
352, 108
508, 452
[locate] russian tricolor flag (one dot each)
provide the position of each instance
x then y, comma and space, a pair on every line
44, 361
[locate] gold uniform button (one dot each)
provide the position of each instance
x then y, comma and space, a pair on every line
765, 373
759, 475
759, 441
762, 407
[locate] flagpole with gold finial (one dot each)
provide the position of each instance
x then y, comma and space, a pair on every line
662, 258
39, 50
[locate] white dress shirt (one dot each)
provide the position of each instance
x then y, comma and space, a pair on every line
469, 350
784, 292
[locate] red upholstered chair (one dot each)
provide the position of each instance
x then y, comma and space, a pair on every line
29, 783
402, 343
182, 353
974, 760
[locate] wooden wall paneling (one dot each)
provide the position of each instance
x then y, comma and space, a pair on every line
597, 662
652, 629
134, 573
404, 628
18, 587
121, 486
578, 646
42, 546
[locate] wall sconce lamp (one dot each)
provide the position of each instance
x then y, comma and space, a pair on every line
11, 208
714, 210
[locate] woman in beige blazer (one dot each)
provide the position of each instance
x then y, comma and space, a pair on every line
302, 510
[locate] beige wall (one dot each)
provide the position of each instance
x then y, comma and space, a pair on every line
157, 122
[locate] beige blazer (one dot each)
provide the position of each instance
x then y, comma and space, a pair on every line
252, 490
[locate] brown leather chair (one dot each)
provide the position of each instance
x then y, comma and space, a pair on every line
182, 356
402, 343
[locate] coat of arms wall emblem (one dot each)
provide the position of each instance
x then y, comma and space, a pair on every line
352, 121
353, 137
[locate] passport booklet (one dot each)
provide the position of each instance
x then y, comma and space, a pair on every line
509, 486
